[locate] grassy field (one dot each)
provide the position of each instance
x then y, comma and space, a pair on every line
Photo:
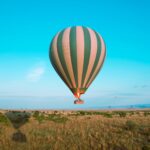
75, 130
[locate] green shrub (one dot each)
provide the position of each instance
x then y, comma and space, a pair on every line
82, 113
146, 113
146, 147
3, 119
40, 117
131, 125
131, 113
107, 115
121, 113
57, 118
36, 114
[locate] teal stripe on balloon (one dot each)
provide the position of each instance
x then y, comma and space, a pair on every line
87, 51
99, 68
73, 53
52, 58
61, 55
96, 59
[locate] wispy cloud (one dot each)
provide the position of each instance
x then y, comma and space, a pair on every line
141, 86
35, 74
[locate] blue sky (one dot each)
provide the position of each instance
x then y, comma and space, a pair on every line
27, 27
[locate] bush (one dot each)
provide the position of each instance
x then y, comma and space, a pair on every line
107, 115
57, 118
83, 113
51, 117
36, 114
130, 125
39, 116
146, 113
146, 147
121, 113
3, 119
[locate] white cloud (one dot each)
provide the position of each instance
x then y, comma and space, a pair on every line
35, 74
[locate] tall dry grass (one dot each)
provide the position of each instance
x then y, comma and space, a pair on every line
79, 130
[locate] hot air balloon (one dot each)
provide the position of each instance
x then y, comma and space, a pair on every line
77, 54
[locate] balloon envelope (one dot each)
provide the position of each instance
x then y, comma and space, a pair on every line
77, 54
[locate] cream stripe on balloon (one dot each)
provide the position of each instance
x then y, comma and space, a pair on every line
102, 57
80, 52
57, 61
92, 55
67, 55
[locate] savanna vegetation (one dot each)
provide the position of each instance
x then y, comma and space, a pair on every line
75, 130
